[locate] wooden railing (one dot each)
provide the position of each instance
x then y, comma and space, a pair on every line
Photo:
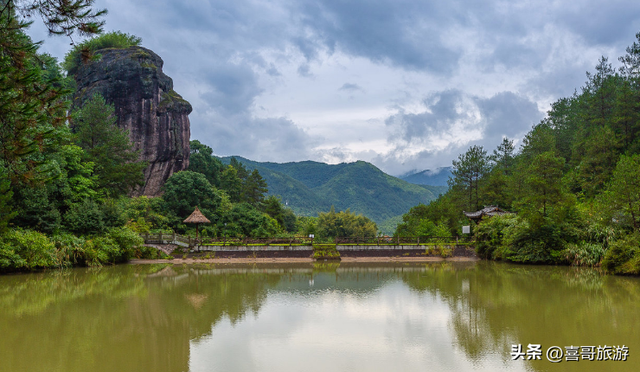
416, 240
189, 241
257, 241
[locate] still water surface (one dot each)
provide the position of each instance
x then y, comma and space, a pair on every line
442, 316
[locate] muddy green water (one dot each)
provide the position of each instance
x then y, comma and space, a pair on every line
407, 317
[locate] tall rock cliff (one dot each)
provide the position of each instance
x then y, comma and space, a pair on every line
146, 105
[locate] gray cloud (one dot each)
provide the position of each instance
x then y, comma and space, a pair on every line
453, 113
600, 22
493, 63
305, 70
273, 139
273, 71
349, 87
233, 88
405, 33
507, 115
444, 109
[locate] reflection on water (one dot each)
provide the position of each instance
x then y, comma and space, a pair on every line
442, 316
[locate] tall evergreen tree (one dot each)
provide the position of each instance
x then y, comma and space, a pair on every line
600, 93
117, 167
503, 156
468, 172
544, 185
231, 183
630, 68
254, 189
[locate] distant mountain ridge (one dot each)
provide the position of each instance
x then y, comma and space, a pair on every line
309, 187
437, 177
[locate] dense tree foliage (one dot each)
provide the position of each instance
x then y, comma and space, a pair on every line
65, 176
241, 186
201, 160
623, 193
116, 165
574, 182
344, 224
284, 216
186, 190
49, 185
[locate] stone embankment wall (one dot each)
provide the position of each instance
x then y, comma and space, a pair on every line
345, 250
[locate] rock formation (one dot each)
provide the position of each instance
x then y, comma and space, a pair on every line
146, 105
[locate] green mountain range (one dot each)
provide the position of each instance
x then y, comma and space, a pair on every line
310, 187
437, 177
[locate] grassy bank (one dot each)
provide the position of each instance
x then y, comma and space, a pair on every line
28, 250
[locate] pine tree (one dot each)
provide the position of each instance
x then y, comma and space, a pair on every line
468, 172
254, 189
117, 167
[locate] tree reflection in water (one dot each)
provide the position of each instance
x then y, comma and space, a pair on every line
146, 317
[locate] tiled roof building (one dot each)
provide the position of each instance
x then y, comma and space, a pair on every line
489, 211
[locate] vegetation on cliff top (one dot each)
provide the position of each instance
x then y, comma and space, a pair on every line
86, 50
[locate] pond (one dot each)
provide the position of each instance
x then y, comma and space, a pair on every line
444, 316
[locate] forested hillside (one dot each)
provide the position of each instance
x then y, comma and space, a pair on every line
574, 182
437, 177
310, 187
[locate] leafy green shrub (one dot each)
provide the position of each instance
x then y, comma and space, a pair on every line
85, 217
623, 256
522, 242
632, 267
127, 241
26, 249
101, 250
325, 251
245, 220
140, 226
585, 253
143, 213
112, 213
326, 254
70, 249
344, 224
490, 234
36, 210
446, 252
432, 250
84, 51
9, 259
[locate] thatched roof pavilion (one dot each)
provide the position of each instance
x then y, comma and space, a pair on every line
197, 217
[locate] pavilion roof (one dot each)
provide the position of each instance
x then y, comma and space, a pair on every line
490, 211
197, 217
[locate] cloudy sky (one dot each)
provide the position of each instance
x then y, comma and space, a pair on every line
404, 84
